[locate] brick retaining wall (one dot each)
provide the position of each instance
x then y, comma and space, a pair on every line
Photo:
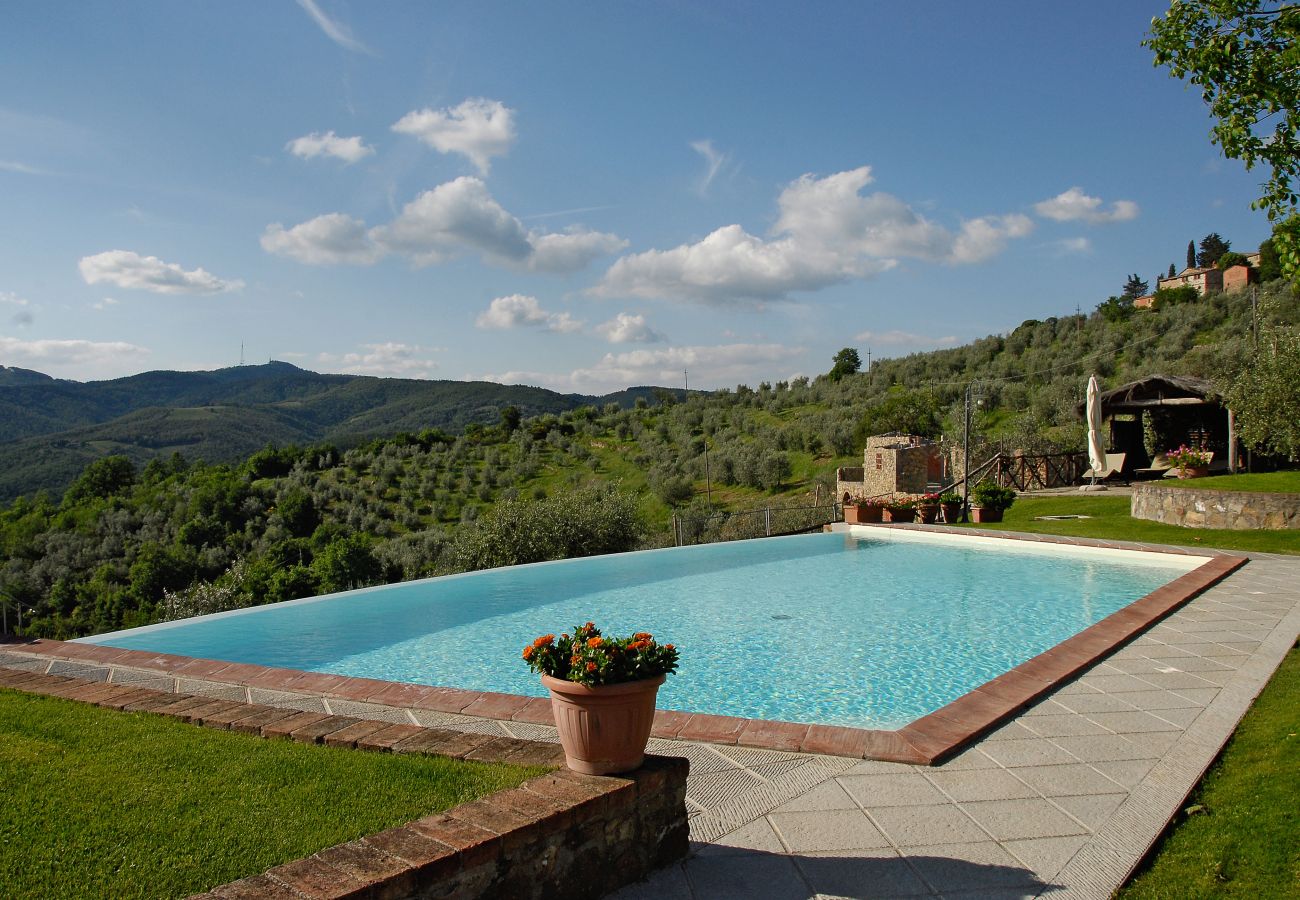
1184, 504
558, 835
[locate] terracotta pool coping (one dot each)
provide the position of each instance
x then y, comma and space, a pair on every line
925, 741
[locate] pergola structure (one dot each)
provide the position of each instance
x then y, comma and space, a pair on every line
1179, 410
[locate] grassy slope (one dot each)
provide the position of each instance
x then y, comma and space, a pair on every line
1241, 840
105, 804
1110, 519
1268, 482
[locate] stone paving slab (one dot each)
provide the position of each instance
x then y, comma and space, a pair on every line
1062, 801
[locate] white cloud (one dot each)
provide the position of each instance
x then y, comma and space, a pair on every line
715, 366
521, 311
1072, 246
477, 128
348, 149
827, 232
1076, 206
73, 358
22, 308
325, 240
714, 160
629, 329
9, 298
104, 304
904, 338
391, 359
336, 32
437, 225
570, 250
18, 168
127, 269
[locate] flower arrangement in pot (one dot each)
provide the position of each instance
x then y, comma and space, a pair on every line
1190, 462
927, 508
989, 501
950, 503
864, 512
602, 694
901, 508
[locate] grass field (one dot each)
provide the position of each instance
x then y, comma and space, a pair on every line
98, 803
1109, 519
1238, 835
1264, 482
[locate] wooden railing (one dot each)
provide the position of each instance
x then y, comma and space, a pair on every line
1037, 473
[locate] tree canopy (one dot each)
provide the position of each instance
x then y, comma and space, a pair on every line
1212, 247
1135, 287
846, 362
1244, 56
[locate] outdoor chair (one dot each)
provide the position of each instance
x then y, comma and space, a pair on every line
1114, 466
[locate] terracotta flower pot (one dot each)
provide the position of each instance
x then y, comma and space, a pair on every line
1193, 471
927, 514
980, 514
900, 515
951, 512
862, 514
603, 729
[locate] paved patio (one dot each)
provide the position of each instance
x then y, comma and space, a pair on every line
1062, 800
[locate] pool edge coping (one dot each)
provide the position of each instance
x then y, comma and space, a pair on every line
928, 740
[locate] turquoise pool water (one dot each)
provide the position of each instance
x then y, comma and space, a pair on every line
826, 628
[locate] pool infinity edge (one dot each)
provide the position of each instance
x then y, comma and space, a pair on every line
925, 741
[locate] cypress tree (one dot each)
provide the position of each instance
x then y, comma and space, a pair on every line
1191, 254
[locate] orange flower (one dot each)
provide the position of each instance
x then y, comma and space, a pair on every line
595, 642
528, 653
590, 626
669, 647
643, 636
591, 667
544, 641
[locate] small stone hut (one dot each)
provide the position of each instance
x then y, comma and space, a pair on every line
891, 464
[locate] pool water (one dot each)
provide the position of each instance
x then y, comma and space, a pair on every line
835, 628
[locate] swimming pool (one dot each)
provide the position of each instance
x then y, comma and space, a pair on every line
871, 629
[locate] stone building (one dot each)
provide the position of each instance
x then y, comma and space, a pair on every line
892, 464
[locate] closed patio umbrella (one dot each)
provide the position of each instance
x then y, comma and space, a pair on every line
1096, 446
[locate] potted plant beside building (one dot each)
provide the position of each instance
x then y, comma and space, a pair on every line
989, 502
1190, 462
950, 504
901, 508
602, 694
864, 512
927, 508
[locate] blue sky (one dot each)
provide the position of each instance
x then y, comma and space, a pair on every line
583, 196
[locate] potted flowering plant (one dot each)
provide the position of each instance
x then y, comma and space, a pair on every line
989, 501
602, 694
927, 508
864, 512
1190, 462
950, 503
901, 508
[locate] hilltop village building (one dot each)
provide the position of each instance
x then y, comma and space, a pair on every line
1206, 280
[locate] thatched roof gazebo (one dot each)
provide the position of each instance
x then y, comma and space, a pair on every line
1176, 409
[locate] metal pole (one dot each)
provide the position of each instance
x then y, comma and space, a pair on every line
767, 518
1254, 319
708, 479
965, 468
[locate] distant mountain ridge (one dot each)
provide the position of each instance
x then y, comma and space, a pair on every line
50, 428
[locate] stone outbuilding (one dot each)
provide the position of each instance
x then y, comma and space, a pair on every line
892, 464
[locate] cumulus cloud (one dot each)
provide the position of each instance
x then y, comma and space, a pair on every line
1071, 246
712, 365
390, 359
714, 160
348, 149
127, 269
437, 225
827, 232
897, 338
629, 329
335, 31
477, 129
1076, 206
73, 358
325, 240
522, 311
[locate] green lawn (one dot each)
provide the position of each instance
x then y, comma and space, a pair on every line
1264, 482
97, 803
1240, 833
1109, 519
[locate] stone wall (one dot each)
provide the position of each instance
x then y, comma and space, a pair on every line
1184, 504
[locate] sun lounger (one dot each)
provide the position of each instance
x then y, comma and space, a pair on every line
1114, 466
